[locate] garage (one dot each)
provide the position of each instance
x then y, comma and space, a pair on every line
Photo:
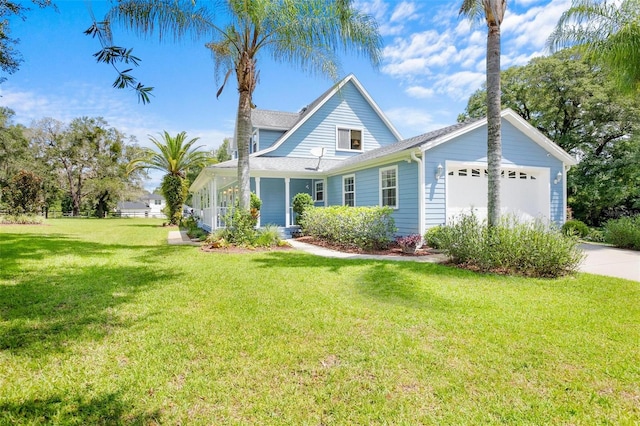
524, 191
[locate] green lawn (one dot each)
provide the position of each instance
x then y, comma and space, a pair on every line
102, 323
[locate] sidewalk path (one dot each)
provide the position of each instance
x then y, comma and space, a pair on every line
180, 238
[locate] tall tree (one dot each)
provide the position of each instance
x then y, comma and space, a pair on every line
308, 33
80, 153
174, 156
607, 32
493, 12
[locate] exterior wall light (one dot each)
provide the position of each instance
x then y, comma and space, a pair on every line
439, 171
558, 178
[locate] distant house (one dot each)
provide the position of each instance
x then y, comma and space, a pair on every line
343, 150
150, 205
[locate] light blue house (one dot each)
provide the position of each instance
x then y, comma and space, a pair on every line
342, 150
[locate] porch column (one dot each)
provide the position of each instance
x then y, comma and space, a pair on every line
325, 194
287, 202
257, 179
213, 203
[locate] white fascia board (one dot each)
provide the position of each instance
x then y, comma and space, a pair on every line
335, 90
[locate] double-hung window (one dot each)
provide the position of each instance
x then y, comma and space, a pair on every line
349, 190
349, 139
389, 187
319, 190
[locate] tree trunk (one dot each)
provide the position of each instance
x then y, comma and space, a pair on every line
245, 73
494, 138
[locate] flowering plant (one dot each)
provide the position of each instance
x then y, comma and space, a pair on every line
410, 242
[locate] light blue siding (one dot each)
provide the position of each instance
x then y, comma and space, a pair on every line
266, 138
517, 150
273, 201
346, 109
367, 184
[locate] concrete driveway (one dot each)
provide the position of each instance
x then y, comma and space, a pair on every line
613, 262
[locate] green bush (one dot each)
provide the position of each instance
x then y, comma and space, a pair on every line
268, 236
595, 235
366, 228
575, 227
240, 228
530, 249
21, 219
301, 202
623, 232
433, 236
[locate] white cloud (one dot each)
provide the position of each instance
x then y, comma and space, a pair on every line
460, 85
420, 92
413, 120
404, 11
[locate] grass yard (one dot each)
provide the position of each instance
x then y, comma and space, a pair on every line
101, 322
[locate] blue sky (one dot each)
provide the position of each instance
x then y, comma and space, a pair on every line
432, 61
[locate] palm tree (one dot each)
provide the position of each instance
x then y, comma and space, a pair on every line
174, 156
493, 12
606, 32
308, 33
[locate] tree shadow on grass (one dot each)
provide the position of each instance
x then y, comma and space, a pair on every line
43, 311
412, 284
105, 409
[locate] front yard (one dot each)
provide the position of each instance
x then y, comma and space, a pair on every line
101, 322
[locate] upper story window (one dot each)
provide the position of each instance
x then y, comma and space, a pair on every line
319, 190
254, 142
157, 202
349, 190
349, 139
389, 187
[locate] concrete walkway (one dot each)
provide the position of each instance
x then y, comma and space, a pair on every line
180, 238
609, 261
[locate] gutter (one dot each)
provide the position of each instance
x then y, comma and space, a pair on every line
421, 189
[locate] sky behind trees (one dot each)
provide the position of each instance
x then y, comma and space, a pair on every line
433, 60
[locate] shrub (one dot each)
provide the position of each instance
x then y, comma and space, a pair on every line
575, 227
433, 236
531, 249
21, 219
623, 232
241, 227
595, 235
254, 207
366, 228
301, 202
268, 236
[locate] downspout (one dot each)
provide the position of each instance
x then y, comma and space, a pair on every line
421, 189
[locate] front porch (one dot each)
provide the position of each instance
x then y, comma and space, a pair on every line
214, 202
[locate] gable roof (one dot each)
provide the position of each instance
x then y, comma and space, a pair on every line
273, 120
320, 101
131, 205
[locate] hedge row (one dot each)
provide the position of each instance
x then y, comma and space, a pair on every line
366, 228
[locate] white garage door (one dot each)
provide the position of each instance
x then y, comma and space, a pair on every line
523, 192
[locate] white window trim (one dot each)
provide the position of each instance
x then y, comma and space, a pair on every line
315, 191
360, 129
383, 169
345, 177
